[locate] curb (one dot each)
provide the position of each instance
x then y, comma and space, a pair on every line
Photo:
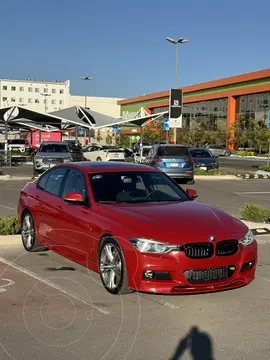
216, 177
252, 176
10, 240
17, 178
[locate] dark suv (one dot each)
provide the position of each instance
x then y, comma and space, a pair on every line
174, 160
75, 150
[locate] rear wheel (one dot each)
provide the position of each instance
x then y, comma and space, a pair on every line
227, 153
98, 159
28, 234
112, 267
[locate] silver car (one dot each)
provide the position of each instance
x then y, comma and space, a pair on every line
50, 154
218, 150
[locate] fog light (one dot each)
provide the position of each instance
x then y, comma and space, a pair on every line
247, 266
148, 274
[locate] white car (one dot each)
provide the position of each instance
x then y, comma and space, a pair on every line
100, 153
142, 153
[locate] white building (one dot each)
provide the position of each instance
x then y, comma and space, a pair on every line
39, 95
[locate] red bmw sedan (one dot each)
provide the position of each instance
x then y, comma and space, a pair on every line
137, 228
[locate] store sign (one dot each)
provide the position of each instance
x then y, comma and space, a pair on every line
175, 108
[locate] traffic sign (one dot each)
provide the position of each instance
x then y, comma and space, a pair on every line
166, 125
116, 128
268, 120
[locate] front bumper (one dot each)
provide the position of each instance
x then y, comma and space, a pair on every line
176, 264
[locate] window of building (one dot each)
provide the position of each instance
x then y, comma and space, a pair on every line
53, 102
13, 99
4, 98
54, 91
21, 100
36, 101
21, 88
61, 91
13, 88
30, 101
36, 89
30, 89
4, 87
45, 90
61, 102
45, 101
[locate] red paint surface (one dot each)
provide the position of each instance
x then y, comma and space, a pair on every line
75, 232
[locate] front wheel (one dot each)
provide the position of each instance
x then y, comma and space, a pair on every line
99, 159
28, 234
112, 267
227, 153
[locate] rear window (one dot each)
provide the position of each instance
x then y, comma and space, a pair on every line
200, 153
173, 151
54, 148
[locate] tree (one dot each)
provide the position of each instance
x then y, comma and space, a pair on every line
109, 139
99, 136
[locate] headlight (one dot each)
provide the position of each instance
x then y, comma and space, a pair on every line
248, 238
68, 159
150, 246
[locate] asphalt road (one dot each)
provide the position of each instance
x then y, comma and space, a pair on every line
52, 308
240, 164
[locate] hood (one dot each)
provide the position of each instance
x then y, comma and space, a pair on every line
188, 220
53, 155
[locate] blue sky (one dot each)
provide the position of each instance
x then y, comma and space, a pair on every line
122, 43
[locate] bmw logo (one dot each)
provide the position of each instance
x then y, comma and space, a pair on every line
211, 238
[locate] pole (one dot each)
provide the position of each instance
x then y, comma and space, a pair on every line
176, 83
6, 142
268, 160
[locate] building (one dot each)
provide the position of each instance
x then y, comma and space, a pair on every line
48, 96
217, 103
38, 95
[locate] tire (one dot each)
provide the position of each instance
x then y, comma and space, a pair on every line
28, 234
227, 153
120, 284
99, 159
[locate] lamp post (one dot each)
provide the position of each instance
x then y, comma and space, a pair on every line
177, 42
45, 101
85, 78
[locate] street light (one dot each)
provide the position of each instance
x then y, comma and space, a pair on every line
85, 78
177, 42
45, 101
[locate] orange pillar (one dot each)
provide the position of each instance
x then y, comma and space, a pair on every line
231, 117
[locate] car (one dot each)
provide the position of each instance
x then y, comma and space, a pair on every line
75, 149
49, 154
174, 160
137, 228
99, 153
142, 153
217, 150
204, 159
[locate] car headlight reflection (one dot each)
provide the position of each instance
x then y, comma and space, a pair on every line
152, 247
248, 238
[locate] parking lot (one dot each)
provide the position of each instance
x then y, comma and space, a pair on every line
52, 308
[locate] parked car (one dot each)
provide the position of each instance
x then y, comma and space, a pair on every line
174, 160
50, 154
16, 145
217, 150
137, 228
98, 153
141, 155
204, 159
75, 149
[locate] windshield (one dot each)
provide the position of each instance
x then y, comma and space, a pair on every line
135, 187
173, 151
53, 148
200, 153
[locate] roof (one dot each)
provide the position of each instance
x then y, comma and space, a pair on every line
256, 75
109, 166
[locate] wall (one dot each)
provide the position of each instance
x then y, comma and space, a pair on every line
104, 105
28, 93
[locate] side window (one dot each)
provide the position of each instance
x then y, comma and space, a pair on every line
43, 180
56, 177
76, 183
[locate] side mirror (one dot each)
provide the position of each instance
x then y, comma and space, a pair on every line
74, 197
192, 193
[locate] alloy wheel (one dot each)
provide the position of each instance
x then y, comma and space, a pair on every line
110, 266
28, 232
